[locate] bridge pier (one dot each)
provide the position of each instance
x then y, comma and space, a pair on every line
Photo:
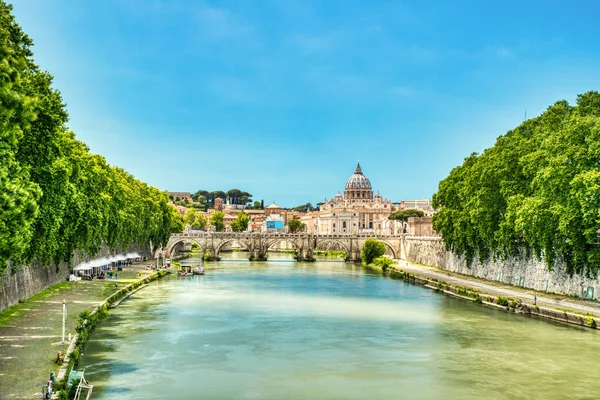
305, 254
258, 256
353, 256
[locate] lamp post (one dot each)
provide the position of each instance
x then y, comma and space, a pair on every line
64, 319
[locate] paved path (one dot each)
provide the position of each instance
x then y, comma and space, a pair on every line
28, 331
497, 289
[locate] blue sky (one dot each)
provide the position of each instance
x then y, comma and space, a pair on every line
281, 98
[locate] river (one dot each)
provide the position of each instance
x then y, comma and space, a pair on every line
328, 330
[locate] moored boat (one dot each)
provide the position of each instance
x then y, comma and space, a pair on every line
199, 270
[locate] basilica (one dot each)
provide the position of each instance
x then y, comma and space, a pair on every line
357, 211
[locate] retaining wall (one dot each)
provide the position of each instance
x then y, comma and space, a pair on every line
31, 279
519, 271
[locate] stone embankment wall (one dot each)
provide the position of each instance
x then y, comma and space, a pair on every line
31, 279
522, 271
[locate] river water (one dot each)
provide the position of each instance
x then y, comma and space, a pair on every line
328, 330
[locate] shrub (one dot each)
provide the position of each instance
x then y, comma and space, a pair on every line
503, 301
372, 249
383, 262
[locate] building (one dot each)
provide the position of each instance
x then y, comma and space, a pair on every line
218, 204
423, 205
420, 227
311, 221
357, 211
272, 209
177, 196
273, 223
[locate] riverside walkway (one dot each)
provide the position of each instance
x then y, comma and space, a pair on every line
549, 300
29, 329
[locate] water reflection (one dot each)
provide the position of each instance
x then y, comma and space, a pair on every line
282, 330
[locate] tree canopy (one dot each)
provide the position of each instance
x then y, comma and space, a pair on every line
236, 196
404, 215
296, 226
55, 196
537, 188
241, 222
306, 208
216, 220
372, 249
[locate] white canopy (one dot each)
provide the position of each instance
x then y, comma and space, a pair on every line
132, 255
120, 257
83, 266
99, 262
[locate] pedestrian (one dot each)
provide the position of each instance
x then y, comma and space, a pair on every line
534, 299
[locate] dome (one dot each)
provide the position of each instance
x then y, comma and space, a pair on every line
338, 196
358, 180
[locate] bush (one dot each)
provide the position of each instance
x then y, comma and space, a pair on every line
383, 262
372, 249
503, 301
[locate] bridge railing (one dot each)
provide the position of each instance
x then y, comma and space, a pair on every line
279, 235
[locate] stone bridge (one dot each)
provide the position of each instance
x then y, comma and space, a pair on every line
258, 244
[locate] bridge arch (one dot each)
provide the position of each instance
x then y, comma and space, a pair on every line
328, 242
184, 240
389, 247
271, 243
224, 242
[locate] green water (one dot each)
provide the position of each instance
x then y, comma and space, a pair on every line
328, 330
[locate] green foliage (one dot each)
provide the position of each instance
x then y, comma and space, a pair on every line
404, 215
176, 224
296, 226
216, 220
241, 223
200, 222
190, 216
55, 196
537, 188
503, 301
383, 262
330, 253
372, 249
305, 208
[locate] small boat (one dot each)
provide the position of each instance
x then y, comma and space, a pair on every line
186, 270
199, 270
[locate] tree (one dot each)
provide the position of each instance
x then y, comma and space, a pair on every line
241, 223
372, 249
216, 220
296, 226
262, 204
304, 208
257, 205
177, 224
55, 196
404, 215
200, 222
536, 189
190, 216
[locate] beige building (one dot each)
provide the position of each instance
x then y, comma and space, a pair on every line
357, 211
423, 205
